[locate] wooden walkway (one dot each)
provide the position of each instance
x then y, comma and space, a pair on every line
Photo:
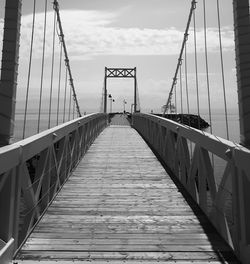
120, 206
119, 120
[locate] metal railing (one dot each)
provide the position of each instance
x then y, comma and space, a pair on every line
33, 170
191, 156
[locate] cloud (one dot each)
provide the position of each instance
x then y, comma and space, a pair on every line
91, 33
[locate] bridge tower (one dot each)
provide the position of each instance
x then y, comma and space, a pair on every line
242, 47
8, 80
120, 73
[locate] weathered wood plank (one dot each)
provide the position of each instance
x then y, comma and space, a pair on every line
189, 257
119, 262
120, 205
143, 247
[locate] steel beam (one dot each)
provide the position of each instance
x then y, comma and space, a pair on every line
8, 81
120, 72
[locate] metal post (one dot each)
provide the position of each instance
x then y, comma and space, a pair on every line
8, 82
135, 94
111, 100
105, 91
242, 46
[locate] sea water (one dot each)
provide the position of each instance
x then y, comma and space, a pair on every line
31, 125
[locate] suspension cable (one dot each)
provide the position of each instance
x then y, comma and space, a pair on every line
206, 62
181, 93
222, 70
207, 73
196, 71
65, 93
186, 81
43, 60
187, 91
52, 69
59, 85
175, 98
56, 8
74, 106
29, 70
193, 6
70, 99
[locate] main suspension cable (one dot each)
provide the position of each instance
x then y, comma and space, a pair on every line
193, 6
56, 8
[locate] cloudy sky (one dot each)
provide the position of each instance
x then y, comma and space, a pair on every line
146, 34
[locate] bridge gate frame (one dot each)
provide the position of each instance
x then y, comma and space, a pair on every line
120, 73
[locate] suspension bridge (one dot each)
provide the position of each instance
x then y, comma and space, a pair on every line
121, 187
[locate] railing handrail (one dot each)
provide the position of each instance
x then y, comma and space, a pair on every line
197, 136
219, 146
20, 151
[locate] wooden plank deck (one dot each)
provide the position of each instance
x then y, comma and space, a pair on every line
119, 120
120, 206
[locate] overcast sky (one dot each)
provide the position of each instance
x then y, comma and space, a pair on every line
146, 34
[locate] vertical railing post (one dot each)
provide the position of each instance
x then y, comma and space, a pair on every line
8, 81
243, 217
7, 199
242, 47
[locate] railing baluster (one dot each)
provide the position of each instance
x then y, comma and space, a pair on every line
202, 183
